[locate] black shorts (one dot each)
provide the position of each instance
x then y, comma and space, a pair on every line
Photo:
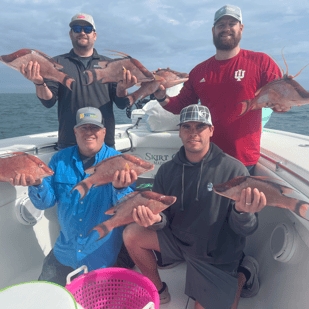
210, 286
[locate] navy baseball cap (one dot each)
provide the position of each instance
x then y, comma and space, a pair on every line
89, 115
195, 112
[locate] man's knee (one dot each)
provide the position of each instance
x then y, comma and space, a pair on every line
130, 233
136, 236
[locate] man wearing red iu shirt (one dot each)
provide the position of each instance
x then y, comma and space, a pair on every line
231, 76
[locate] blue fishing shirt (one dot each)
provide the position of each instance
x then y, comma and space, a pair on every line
74, 246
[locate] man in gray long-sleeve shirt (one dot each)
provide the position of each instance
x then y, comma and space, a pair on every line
83, 56
204, 229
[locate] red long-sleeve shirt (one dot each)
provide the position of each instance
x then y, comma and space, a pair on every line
220, 85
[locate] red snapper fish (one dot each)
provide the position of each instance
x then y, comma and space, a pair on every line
15, 163
285, 92
104, 171
123, 210
166, 77
274, 193
112, 70
49, 68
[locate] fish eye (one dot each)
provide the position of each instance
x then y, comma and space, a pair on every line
40, 165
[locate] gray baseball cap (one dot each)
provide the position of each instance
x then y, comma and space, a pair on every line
89, 115
229, 10
195, 112
82, 17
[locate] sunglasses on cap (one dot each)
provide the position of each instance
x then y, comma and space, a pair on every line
78, 29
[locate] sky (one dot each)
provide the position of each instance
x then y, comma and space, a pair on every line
159, 33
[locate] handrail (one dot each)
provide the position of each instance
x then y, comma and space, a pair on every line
279, 164
34, 150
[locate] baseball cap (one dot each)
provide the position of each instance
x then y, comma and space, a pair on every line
89, 115
229, 10
195, 112
82, 16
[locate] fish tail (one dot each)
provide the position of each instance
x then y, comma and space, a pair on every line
82, 187
91, 76
245, 106
132, 100
102, 229
302, 209
68, 82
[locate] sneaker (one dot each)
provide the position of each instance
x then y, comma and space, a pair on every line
252, 285
165, 296
168, 266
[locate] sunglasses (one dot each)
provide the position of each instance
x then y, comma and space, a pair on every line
78, 29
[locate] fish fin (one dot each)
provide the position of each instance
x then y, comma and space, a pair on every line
302, 209
279, 65
99, 184
90, 76
287, 69
159, 78
82, 187
283, 189
300, 70
116, 53
102, 229
126, 197
57, 65
90, 170
68, 82
257, 92
266, 178
286, 190
245, 107
110, 211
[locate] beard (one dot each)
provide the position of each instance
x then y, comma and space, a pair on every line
80, 44
229, 44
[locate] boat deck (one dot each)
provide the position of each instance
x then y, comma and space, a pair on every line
283, 285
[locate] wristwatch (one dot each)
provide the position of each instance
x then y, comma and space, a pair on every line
43, 84
152, 97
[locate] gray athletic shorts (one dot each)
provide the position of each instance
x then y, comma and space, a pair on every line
209, 285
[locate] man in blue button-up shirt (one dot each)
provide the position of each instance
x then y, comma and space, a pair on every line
74, 247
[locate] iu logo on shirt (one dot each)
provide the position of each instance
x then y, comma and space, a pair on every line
239, 75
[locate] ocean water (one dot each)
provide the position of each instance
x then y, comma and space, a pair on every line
23, 114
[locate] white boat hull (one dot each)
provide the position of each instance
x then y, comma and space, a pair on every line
283, 284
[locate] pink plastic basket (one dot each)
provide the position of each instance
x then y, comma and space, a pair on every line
116, 288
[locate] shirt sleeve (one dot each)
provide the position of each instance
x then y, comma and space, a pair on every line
186, 97
43, 196
243, 224
53, 87
122, 102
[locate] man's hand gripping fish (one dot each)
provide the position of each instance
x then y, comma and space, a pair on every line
104, 171
283, 93
123, 210
274, 193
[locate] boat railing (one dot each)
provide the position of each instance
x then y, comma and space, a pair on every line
36, 150
281, 165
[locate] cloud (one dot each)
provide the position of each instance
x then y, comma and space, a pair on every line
159, 33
